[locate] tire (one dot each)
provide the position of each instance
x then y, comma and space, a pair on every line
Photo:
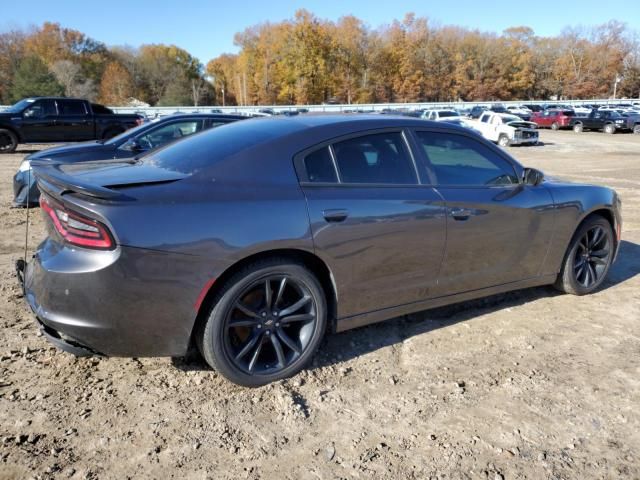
241, 335
112, 132
609, 129
578, 128
503, 140
555, 126
583, 272
8, 141
636, 129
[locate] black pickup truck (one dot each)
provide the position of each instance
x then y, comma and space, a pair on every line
609, 121
49, 119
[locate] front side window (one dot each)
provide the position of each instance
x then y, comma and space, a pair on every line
377, 158
462, 161
169, 133
71, 107
41, 108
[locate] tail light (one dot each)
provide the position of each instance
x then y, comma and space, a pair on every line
75, 228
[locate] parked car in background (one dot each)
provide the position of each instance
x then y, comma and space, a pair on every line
439, 115
533, 107
498, 109
519, 111
505, 129
53, 119
476, 112
131, 143
582, 109
553, 119
633, 121
607, 121
254, 240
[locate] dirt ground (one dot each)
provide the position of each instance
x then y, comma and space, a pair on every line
531, 384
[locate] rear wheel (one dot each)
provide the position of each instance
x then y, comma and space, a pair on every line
588, 257
636, 129
503, 140
578, 128
8, 141
555, 126
266, 323
609, 128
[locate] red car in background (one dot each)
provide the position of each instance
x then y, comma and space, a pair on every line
554, 119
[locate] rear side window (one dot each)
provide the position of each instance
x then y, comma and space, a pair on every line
485, 118
71, 107
319, 166
377, 158
462, 161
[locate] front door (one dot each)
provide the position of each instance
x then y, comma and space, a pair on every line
39, 121
380, 231
498, 229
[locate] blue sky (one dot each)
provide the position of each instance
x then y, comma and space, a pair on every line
206, 28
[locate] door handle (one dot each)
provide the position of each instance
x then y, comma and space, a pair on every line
335, 214
460, 214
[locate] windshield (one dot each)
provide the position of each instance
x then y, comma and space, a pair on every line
201, 150
448, 113
21, 105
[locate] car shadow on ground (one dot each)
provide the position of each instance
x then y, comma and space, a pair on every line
360, 341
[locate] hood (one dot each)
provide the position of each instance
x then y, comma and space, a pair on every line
93, 146
521, 124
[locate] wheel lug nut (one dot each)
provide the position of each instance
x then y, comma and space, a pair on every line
259, 326
275, 314
268, 332
277, 324
264, 314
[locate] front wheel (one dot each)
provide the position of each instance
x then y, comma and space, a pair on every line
266, 323
8, 141
578, 128
636, 129
609, 128
588, 257
555, 126
503, 140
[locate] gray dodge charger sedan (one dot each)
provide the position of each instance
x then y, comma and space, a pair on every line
252, 240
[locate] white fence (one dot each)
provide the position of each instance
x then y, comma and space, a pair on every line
376, 107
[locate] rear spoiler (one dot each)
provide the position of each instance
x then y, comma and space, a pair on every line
51, 179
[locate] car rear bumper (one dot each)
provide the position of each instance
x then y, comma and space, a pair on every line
126, 302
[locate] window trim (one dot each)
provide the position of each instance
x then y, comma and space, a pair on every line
303, 178
517, 168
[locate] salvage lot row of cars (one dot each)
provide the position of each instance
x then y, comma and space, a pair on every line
251, 240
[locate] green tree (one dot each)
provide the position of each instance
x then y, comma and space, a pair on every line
33, 78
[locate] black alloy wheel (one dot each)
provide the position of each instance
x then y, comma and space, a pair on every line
270, 324
265, 323
592, 257
588, 257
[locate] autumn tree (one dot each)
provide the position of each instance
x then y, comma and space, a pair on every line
116, 87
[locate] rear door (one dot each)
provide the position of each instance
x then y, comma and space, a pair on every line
498, 229
75, 121
39, 121
380, 230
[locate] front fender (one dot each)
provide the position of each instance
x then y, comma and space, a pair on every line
573, 203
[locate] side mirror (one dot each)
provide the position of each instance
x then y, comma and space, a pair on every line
533, 177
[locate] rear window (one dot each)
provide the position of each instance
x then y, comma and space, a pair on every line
198, 152
448, 113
